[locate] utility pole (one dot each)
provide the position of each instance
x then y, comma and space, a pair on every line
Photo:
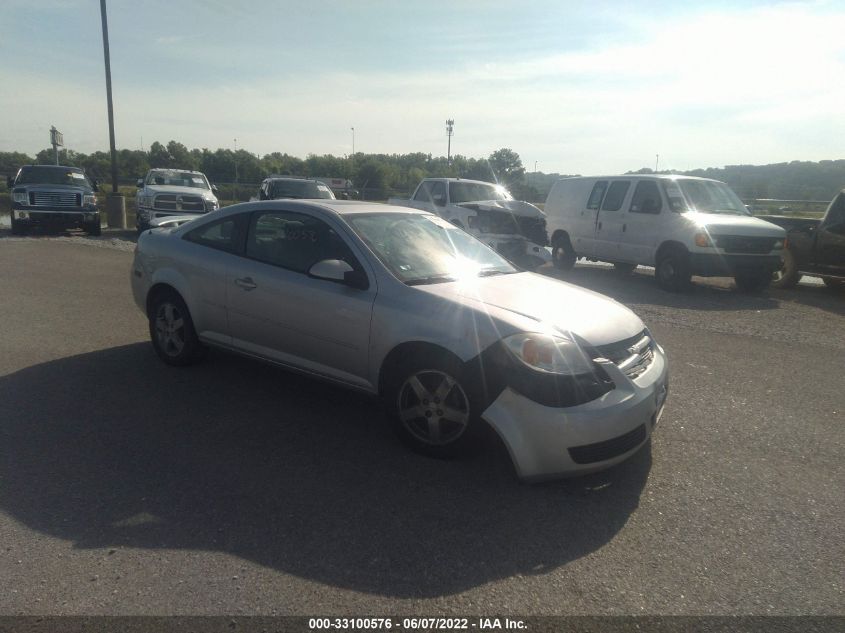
450, 124
656, 162
352, 156
235, 188
115, 204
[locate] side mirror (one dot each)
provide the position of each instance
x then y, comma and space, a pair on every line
214, 188
339, 271
140, 183
10, 181
95, 184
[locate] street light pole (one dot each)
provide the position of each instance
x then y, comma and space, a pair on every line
115, 204
235, 187
352, 157
450, 123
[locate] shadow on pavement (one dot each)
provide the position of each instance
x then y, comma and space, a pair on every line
640, 287
112, 448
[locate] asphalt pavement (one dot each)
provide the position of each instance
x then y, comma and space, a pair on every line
130, 487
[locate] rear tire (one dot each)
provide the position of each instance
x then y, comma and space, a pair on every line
673, 270
172, 331
788, 275
563, 255
434, 410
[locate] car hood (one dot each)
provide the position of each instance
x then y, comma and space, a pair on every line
549, 303
722, 224
516, 207
192, 191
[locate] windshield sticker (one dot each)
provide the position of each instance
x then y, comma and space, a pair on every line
197, 180
77, 175
443, 224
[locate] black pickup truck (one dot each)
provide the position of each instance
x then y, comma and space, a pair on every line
53, 196
813, 247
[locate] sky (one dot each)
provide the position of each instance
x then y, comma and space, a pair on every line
573, 87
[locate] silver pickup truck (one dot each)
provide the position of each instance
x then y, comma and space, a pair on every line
515, 229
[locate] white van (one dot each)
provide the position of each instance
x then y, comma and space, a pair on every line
681, 225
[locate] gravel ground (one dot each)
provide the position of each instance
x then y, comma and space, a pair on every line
128, 487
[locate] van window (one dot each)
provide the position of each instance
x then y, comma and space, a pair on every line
597, 194
646, 198
615, 195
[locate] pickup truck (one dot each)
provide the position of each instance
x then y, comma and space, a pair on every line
53, 196
515, 229
168, 193
813, 247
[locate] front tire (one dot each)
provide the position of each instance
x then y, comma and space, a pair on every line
433, 408
563, 255
172, 331
788, 275
673, 270
18, 228
94, 228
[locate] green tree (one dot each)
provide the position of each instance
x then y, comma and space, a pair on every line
507, 167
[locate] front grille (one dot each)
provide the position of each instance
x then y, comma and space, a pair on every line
633, 355
176, 202
601, 451
55, 199
743, 244
534, 229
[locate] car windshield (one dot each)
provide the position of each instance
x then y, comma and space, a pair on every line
473, 191
704, 196
177, 179
52, 176
425, 249
300, 189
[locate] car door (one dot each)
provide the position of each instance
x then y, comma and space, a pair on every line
277, 311
204, 261
640, 223
609, 223
830, 239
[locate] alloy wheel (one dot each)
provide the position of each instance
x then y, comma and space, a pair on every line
433, 407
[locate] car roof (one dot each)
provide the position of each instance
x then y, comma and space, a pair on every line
187, 171
54, 167
336, 207
640, 177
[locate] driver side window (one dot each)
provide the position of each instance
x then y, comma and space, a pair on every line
294, 241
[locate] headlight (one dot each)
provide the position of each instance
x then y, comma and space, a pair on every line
211, 205
703, 240
20, 196
549, 354
779, 245
89, 199
145, 201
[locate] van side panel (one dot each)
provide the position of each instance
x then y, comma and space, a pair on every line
566, 211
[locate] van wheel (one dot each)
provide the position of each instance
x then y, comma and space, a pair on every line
788, 274
624, 268
673, 270
563, 256
434, 410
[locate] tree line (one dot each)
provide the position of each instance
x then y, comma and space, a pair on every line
383, 175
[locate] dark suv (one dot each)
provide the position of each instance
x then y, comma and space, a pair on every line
54, 197
277, 187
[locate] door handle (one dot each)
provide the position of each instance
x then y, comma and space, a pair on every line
246, 283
